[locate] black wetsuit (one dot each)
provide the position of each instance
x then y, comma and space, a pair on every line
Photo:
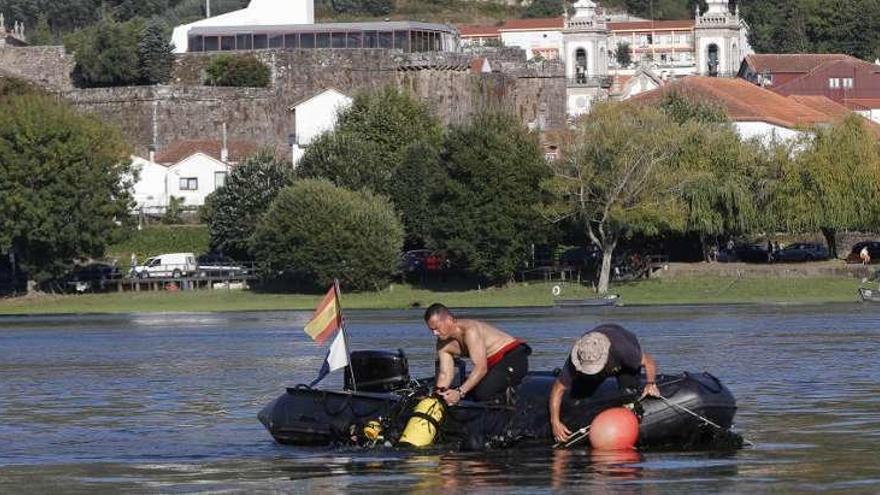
509, 371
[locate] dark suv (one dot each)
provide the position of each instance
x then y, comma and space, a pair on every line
873, 251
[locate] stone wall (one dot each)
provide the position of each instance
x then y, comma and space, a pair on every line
47, 66
159, 115
186, 110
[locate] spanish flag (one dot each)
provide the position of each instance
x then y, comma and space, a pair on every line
326, 319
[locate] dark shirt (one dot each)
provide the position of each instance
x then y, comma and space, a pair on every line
624, 357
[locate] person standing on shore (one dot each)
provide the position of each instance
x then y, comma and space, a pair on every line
865, 256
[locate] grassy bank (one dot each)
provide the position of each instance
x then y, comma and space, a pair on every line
693, 290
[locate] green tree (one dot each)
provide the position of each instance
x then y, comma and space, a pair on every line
545, 8
722, 173
623, 54
238, 70
42, 33
834, 184
62, 184
372, 142
106, 54
315, 232
236, 208
371, 7
620, 177
419, 182
487, 215
155, 55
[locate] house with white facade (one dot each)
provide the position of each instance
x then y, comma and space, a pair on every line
150, 190
195, 177
188, 169
754, 111
314, 116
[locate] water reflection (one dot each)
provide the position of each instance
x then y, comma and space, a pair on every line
167, 403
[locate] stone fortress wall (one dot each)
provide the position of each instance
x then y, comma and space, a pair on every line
47, 66
155, 116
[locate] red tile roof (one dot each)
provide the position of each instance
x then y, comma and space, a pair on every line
535, 24
179, 150
823, 104
743, 101
649, 25
791, 62
862, 103
479, 31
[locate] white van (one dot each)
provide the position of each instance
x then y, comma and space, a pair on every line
174, 265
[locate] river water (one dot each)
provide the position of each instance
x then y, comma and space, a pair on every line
167, 403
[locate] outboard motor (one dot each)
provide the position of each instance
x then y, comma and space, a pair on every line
378, 371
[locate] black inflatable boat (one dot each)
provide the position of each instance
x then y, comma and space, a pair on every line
306, 416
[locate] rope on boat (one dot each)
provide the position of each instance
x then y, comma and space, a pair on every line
701, 418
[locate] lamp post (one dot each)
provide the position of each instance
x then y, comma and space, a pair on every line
207, 8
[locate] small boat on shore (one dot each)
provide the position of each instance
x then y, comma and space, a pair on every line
869, 295
609, 300
696, 412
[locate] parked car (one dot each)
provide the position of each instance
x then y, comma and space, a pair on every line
174, 265
92, 277
414, 261
751, 253
802, 251
873, 251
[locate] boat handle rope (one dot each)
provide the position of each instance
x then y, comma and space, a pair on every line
574, 438
701, 418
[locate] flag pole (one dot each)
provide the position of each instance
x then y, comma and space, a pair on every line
344, 334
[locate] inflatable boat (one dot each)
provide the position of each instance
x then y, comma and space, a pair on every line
696, 411
869, 295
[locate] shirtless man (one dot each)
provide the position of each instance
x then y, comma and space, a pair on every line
499, 359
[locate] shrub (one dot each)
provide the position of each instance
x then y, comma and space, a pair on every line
234, 210
315, 232
237, 70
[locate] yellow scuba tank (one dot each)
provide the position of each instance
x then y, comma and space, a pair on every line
421, 429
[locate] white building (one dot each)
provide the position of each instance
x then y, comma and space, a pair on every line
150, 190
314, 116
195, 177
259, 13
712, 43
755, 112
585, 51
721, 40
291, 24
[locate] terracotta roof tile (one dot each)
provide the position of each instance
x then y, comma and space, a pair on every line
792, 62
547, 23
649, 25
862, 103
743, 101
179, 150
468, 31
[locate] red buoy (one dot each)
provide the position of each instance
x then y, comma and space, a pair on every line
614, 429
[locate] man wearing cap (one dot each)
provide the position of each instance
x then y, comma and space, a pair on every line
605, 351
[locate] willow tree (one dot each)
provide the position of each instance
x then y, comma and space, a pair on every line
620, 176
722, 172
834, 184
